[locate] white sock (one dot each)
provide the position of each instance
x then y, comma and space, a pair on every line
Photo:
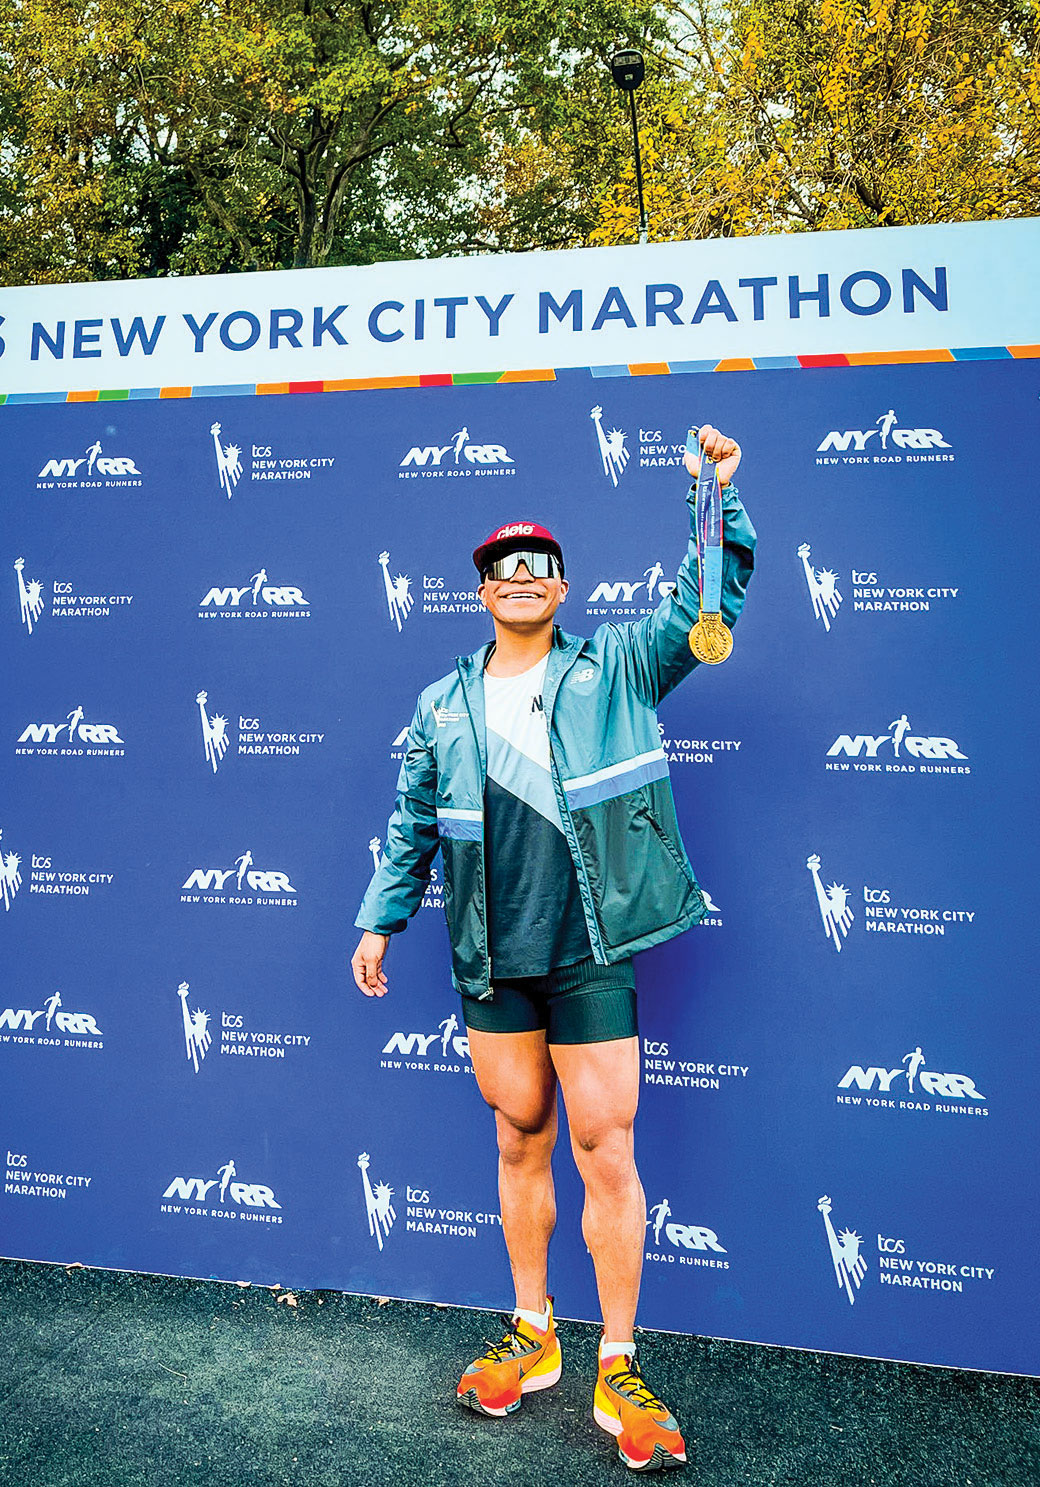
539, 1319
615, 1349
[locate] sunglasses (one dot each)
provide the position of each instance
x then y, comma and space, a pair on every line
539, 565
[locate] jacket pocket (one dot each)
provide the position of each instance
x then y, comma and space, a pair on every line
639, 881
668, 845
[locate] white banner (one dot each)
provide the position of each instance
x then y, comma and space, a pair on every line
969, 285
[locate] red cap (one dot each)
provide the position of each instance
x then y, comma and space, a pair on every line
516, 534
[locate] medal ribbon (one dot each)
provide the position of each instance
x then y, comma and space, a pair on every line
708, 526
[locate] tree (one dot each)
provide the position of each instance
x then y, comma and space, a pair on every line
816, 114
215, 135
205, 135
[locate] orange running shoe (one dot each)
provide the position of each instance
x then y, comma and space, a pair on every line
525, 1360
647, 1432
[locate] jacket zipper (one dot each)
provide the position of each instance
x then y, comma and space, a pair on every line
483, 856
572, 840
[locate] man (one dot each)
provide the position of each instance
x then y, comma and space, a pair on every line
536, 768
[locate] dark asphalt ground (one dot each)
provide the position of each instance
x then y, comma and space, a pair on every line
122, 1380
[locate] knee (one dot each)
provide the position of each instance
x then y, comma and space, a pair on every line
605, 1155
523, 1143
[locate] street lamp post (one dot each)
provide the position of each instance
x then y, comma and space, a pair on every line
628, 70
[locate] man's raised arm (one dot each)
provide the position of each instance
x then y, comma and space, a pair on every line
657, 648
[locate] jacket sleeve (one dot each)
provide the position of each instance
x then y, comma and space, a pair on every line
398, 884
657, 648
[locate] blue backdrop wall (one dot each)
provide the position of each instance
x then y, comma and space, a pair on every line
221, 611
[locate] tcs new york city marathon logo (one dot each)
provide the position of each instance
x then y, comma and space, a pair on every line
265, 463
828, 591
897, 1267
67, 600
423, 1214
235, 1037
881, 910
655, 449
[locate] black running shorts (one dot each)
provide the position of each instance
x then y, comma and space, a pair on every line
581, 1003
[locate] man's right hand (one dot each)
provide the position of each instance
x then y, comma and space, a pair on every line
367, 964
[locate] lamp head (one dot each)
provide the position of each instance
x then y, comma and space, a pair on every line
627, 69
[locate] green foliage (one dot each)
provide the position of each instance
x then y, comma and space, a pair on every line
207, 136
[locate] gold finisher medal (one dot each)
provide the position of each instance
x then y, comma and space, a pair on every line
711, 639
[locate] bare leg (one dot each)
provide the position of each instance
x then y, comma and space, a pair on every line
516, 1077
601, 1090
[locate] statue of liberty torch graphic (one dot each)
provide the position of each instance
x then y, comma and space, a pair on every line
214, 733
611, 447
229, 463
196, 1029
849, 1265
10, 877
823, 588
378, 1203
30, 596
834, 905
398, 599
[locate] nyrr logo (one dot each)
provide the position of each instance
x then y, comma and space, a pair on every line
612, 448
443, 1052
379, 1205
257, 599
101, 470
849, 1265
933, 750
213, 885
909, 445
684, 1238
620, 598
19, 1025
80, 737
460, 456
10, 877
928, 1082
198, 1190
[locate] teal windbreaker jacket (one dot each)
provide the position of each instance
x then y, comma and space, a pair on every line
608, 767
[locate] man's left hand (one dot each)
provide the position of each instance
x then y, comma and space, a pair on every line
718, 447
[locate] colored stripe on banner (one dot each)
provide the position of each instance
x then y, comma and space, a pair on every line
538, 374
